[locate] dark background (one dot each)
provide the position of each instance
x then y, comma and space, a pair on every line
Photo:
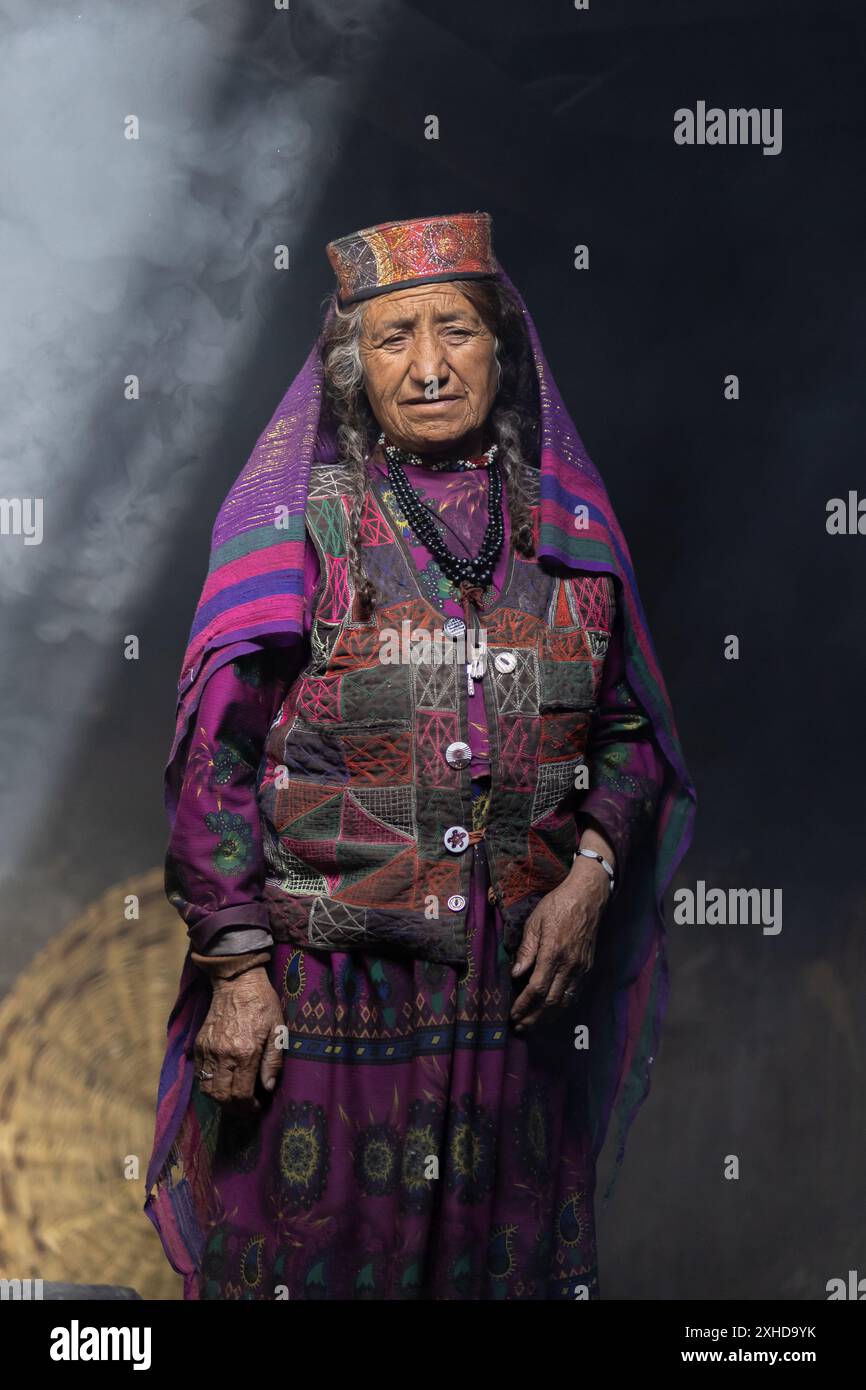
703, 262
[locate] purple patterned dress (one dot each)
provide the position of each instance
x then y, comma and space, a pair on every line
415, 1146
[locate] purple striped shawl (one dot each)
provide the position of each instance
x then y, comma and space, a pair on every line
253, 597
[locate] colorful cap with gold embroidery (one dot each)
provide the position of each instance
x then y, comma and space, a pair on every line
397, 255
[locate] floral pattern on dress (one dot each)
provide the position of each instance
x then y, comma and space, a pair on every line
235, 848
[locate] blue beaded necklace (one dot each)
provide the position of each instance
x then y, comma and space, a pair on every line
462, 572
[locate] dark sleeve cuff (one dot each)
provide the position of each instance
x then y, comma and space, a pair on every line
613, 833
611, 829
236, 941
242, 915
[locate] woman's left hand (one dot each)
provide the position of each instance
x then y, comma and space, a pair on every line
559, 937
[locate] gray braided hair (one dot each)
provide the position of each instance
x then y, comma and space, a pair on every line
513, 423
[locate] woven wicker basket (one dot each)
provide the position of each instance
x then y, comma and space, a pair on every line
82, 1035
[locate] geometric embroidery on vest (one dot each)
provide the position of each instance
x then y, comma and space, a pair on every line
394, 806
318, 648
333, 922
366, 887
335, 481
562, 736
320, 824
516, 755
509, 627
374, 527
298, 800
319, 698
555, 780
335, 597
331, 528
519, 691
434, 730
288, 872
378, 756
361, 736
382, 762
435, 684
590, 598
560, 612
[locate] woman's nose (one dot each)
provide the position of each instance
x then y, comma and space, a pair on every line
428, 360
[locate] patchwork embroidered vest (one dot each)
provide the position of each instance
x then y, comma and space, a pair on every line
364, 818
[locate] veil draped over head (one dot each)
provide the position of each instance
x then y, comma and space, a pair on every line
253, 598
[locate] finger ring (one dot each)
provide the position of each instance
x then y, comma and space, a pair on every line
206, 1075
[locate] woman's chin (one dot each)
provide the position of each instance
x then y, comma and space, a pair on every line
436, 437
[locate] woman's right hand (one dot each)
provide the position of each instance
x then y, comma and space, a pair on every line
237, 1041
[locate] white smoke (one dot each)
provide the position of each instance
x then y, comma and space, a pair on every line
148, 257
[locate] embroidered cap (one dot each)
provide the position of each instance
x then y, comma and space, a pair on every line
397, 255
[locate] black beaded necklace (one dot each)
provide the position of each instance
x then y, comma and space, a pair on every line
455, 567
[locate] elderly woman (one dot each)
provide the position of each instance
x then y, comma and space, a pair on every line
426, 794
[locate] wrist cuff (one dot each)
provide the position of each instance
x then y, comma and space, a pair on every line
229, 967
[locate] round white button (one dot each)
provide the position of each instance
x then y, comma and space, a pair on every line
505, 662
458, 755
454, 627
456, 839
457, 902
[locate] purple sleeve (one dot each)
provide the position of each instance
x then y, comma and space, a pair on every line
214, 868
626, 769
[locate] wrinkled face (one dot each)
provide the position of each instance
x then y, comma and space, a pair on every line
429, 367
